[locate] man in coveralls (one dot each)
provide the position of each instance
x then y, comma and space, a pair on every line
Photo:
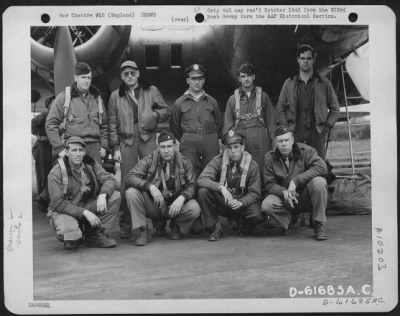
196, 121
250, 111
134, 110
294, 179
308, 104
161, 186
230, 186
82, 198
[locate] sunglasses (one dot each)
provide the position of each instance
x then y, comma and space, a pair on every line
129, 73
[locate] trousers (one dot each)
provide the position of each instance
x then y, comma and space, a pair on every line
43, 164
142, 206
199, 149
130, 156
257, 143
213, 205
68, 227
314, 197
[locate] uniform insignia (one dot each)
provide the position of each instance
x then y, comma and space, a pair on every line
231, 133
196, 67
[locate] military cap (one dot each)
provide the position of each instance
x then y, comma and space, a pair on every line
129, 63
82, 68
233, 137
75, 140
281, 130
247, 69
165, 136
195, 70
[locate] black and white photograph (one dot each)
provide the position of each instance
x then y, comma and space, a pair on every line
205, 159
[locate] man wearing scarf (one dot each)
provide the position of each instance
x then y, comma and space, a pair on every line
294, 179
230, 186
134, 110
160, 187
79, 111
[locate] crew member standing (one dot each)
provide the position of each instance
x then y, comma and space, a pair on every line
134, 110
79, 111
308, 104
250, 111
196, 121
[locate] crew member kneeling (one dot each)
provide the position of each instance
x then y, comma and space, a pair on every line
161, 186
230, 186
294, 181
82, 198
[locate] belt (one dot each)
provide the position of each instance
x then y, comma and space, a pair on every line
200, 131
42, 138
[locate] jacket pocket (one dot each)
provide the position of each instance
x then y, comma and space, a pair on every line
149, 122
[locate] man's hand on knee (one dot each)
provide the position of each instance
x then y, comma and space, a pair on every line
176, 206
102, 203
157, 196
93, 220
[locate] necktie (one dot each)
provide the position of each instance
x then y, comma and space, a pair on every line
287, 163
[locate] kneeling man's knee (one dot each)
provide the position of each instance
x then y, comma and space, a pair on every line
270, 203
317, 184
132, 193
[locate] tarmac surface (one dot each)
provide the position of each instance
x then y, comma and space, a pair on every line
265, 265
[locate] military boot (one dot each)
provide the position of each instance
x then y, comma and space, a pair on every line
71, 244
97, 238
144, 236
217, 233
319, 231
175, 233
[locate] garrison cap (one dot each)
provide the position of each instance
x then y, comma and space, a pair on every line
195, 70
281, 130
82, 68
247, 69
75, 140
165, 136
233, 137
129, 63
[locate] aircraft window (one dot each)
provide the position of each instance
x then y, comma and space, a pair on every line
152, 56
176, 55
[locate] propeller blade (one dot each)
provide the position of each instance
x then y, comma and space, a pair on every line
64, 60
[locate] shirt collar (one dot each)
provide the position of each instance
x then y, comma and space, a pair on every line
191, 96
243, 92
313, 77
294, 154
